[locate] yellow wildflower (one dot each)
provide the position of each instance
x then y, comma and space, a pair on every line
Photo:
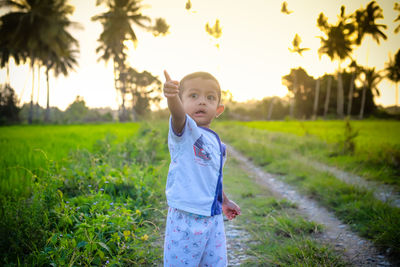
138, 212
145, 237
127, 233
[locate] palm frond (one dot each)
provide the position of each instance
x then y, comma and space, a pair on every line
284, 9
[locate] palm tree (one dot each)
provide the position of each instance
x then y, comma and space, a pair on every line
26, 33
366, 25
284, 9
296, 46
327, 95
161, 28
393, 73
296, 49
117, 28
397, 8
338, 46
322, 23
371, 80
8, 49
37, 30
316, 98
60, 65
188, 5
270, 108
214, 31
60, 55
355, 71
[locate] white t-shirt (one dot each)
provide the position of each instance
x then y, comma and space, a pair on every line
194, 182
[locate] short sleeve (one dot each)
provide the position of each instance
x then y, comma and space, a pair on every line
223, 147
171, 129
189, 131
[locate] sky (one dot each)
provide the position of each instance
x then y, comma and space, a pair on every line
252, 58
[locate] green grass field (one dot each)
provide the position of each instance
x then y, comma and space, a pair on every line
81, 195
93, 194
372, 133
26, 150
377, 144
290, 154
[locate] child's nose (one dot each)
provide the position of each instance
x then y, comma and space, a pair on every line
202, 100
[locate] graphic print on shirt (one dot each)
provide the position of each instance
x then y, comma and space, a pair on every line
202, 151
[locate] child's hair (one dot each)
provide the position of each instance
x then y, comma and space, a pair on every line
202, 75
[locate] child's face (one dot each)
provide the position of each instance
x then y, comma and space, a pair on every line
200, 100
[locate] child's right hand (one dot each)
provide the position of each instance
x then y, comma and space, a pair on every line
171, 88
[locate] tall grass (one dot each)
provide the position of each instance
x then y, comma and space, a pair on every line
26, 151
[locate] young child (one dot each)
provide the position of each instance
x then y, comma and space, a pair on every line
195, 234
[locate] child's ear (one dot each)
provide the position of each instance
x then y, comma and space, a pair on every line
220, 109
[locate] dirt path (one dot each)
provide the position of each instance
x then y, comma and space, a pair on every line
357, 250
381, 191
236, 243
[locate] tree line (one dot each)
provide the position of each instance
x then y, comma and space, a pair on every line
37, 32
308, 102
338, 43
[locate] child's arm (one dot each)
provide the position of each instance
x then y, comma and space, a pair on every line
230, 208
175, 106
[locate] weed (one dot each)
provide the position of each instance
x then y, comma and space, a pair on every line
347, 143
290, 227
247, 195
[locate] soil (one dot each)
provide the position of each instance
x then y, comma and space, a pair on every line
236, 243
357, 250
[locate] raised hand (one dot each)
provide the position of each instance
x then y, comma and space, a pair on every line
171, 87
171, 92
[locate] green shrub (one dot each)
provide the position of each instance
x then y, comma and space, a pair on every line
97, 208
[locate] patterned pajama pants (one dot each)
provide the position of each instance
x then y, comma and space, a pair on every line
194, 240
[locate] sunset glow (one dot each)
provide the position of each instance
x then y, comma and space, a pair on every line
252, 57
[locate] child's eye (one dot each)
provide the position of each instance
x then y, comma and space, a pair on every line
193, 95
211, 97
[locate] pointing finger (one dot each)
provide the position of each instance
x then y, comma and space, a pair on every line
167, 77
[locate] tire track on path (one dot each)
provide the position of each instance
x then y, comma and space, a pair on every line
236, 243
383, 192
357, 250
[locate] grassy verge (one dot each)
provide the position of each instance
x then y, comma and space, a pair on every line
376, 147
99, 207
277, 154
280, 236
